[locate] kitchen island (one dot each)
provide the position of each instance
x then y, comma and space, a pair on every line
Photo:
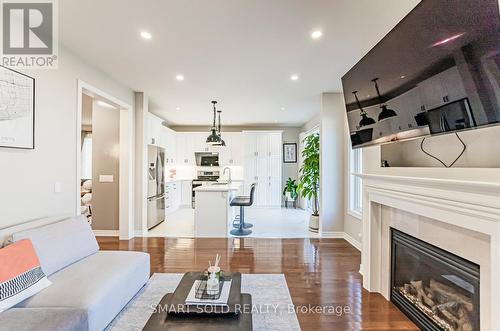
213, 216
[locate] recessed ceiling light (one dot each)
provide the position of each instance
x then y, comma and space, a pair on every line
146, 35
403, 77
282, 108
179, 77
275, 121
316, 34
294, 77
177, 108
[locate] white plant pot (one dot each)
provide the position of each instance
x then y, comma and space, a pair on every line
314, 223
288, 196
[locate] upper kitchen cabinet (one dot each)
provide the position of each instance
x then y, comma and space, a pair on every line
232, 153
236, 149
169, 142
185, 148
406, 106
441, 89
154, 129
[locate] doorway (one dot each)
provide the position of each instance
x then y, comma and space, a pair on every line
104, 162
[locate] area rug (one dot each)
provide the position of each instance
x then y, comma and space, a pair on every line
272, 305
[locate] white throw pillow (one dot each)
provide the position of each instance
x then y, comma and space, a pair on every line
61, 244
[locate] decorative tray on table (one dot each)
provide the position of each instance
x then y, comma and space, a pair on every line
181, 305
203, 293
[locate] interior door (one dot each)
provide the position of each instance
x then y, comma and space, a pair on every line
275, 169
263, 175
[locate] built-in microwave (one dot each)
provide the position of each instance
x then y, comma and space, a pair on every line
207, 159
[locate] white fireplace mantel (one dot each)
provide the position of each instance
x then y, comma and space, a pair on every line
469, 205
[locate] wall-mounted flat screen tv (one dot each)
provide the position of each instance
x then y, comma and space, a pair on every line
437, 71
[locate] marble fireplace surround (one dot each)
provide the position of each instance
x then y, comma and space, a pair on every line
462, 217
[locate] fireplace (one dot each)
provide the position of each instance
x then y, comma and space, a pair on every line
437, 290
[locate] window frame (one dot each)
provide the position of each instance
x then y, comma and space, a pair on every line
355, 194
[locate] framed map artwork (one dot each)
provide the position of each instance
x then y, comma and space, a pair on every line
17, 109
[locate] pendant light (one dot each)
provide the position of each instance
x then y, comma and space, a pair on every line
213, 138
365, 120
386, 112
222, 142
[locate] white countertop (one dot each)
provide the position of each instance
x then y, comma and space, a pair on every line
173, 180
233, 186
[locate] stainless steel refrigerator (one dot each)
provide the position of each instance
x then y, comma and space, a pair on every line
156, 186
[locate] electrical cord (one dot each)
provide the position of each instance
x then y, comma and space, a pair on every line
436, 158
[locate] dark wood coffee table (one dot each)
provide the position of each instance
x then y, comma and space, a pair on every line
173, 313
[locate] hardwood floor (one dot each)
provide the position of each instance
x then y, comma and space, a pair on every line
319, 272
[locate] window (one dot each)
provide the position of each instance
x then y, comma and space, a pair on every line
86, 155
355, 185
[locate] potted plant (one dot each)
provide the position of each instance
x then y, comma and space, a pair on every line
309, 177
290, 190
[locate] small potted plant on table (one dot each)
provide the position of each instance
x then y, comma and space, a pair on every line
290, 191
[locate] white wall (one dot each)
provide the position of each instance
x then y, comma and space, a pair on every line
332, 145
291, 170
481, 144
478, 153
28, 176
105, 161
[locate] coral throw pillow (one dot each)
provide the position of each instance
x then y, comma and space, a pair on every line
20, 274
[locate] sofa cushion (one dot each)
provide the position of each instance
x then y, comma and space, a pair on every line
60, 244
20, 274
43, 319
101, 284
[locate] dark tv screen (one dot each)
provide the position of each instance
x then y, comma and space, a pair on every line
437, 71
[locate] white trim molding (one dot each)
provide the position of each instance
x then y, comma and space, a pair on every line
466, 205
352, 241
342, 235
332, 234
126, 163
106, 233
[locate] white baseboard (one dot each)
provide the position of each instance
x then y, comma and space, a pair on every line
332, 234
352, 241
106, 233
342, 235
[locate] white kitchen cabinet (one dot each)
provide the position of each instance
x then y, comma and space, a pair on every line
237, 149
185, 148
452, 84
186, 193
171, 147
441, 89
263, 166
200, 142
169, 143
232, 153
154, 130
172, 197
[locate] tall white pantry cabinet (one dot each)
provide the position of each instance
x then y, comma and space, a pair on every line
263, 155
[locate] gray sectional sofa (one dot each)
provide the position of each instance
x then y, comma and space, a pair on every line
89, 287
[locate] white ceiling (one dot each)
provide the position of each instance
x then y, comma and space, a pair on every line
239, 52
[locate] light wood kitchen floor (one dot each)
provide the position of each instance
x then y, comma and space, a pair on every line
268, 223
